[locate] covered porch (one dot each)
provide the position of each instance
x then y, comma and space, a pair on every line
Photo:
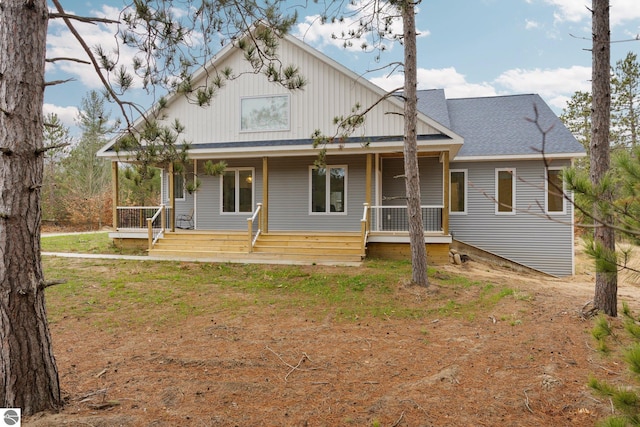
378, 228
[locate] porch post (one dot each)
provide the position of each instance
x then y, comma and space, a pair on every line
195, 195
172, 200
265, 195
444, 158
115, 197
367, 194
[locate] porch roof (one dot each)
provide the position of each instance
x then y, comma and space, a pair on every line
297, 147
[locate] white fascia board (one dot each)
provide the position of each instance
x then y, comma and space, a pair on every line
536, 156
301, 150
276, 151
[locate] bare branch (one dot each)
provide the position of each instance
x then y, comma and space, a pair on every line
62, 58
48, 283
51, 147
89, 20
58, 82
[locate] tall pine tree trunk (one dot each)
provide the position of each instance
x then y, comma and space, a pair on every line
29, 377
606, 278
411, 171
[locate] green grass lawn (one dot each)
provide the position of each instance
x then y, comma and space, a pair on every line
88, 243
121, 294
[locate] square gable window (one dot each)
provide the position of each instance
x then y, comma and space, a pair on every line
264, 113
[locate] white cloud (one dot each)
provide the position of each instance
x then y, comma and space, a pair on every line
67, 115
549, 83
530, 25
454, 83
61, 43
569, 10
623, 11
575, 11
556, 86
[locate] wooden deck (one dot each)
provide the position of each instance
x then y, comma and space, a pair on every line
285, 247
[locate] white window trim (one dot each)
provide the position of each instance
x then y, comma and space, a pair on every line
284, 129
466, 186
546, 193
513, 191
237, 190
184, 187
328, 193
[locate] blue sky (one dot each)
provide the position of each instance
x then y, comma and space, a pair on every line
467, 47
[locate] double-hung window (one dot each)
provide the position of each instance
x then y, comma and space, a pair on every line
237, 190
328, 189
505, 191
458, 191
554, 191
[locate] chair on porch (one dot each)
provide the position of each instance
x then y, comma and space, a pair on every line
185, 221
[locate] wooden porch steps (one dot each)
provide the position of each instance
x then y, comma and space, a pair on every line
300, 247
182, 243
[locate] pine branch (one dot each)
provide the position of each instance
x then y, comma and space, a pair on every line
96, 66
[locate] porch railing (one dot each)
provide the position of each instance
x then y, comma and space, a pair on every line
130, 217
395, 218
156, 226
254, 227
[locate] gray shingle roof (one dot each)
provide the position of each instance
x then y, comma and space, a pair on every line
499, 125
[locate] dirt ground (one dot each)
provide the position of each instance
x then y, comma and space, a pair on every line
526, 363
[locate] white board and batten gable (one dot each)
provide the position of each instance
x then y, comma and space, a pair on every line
331, 90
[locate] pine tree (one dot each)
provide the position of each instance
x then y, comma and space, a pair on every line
58, 137
625, 106
87, 178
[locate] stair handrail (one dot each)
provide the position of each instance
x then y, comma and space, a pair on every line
154, 233
253, 239
365, 224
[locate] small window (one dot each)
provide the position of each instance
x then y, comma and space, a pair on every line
264, 113
505, 191
237, 191
328, 189
458, 191
555, 191
178, 187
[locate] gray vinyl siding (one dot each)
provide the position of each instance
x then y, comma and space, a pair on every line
209, 216
289, 204
528, 237
393, 183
